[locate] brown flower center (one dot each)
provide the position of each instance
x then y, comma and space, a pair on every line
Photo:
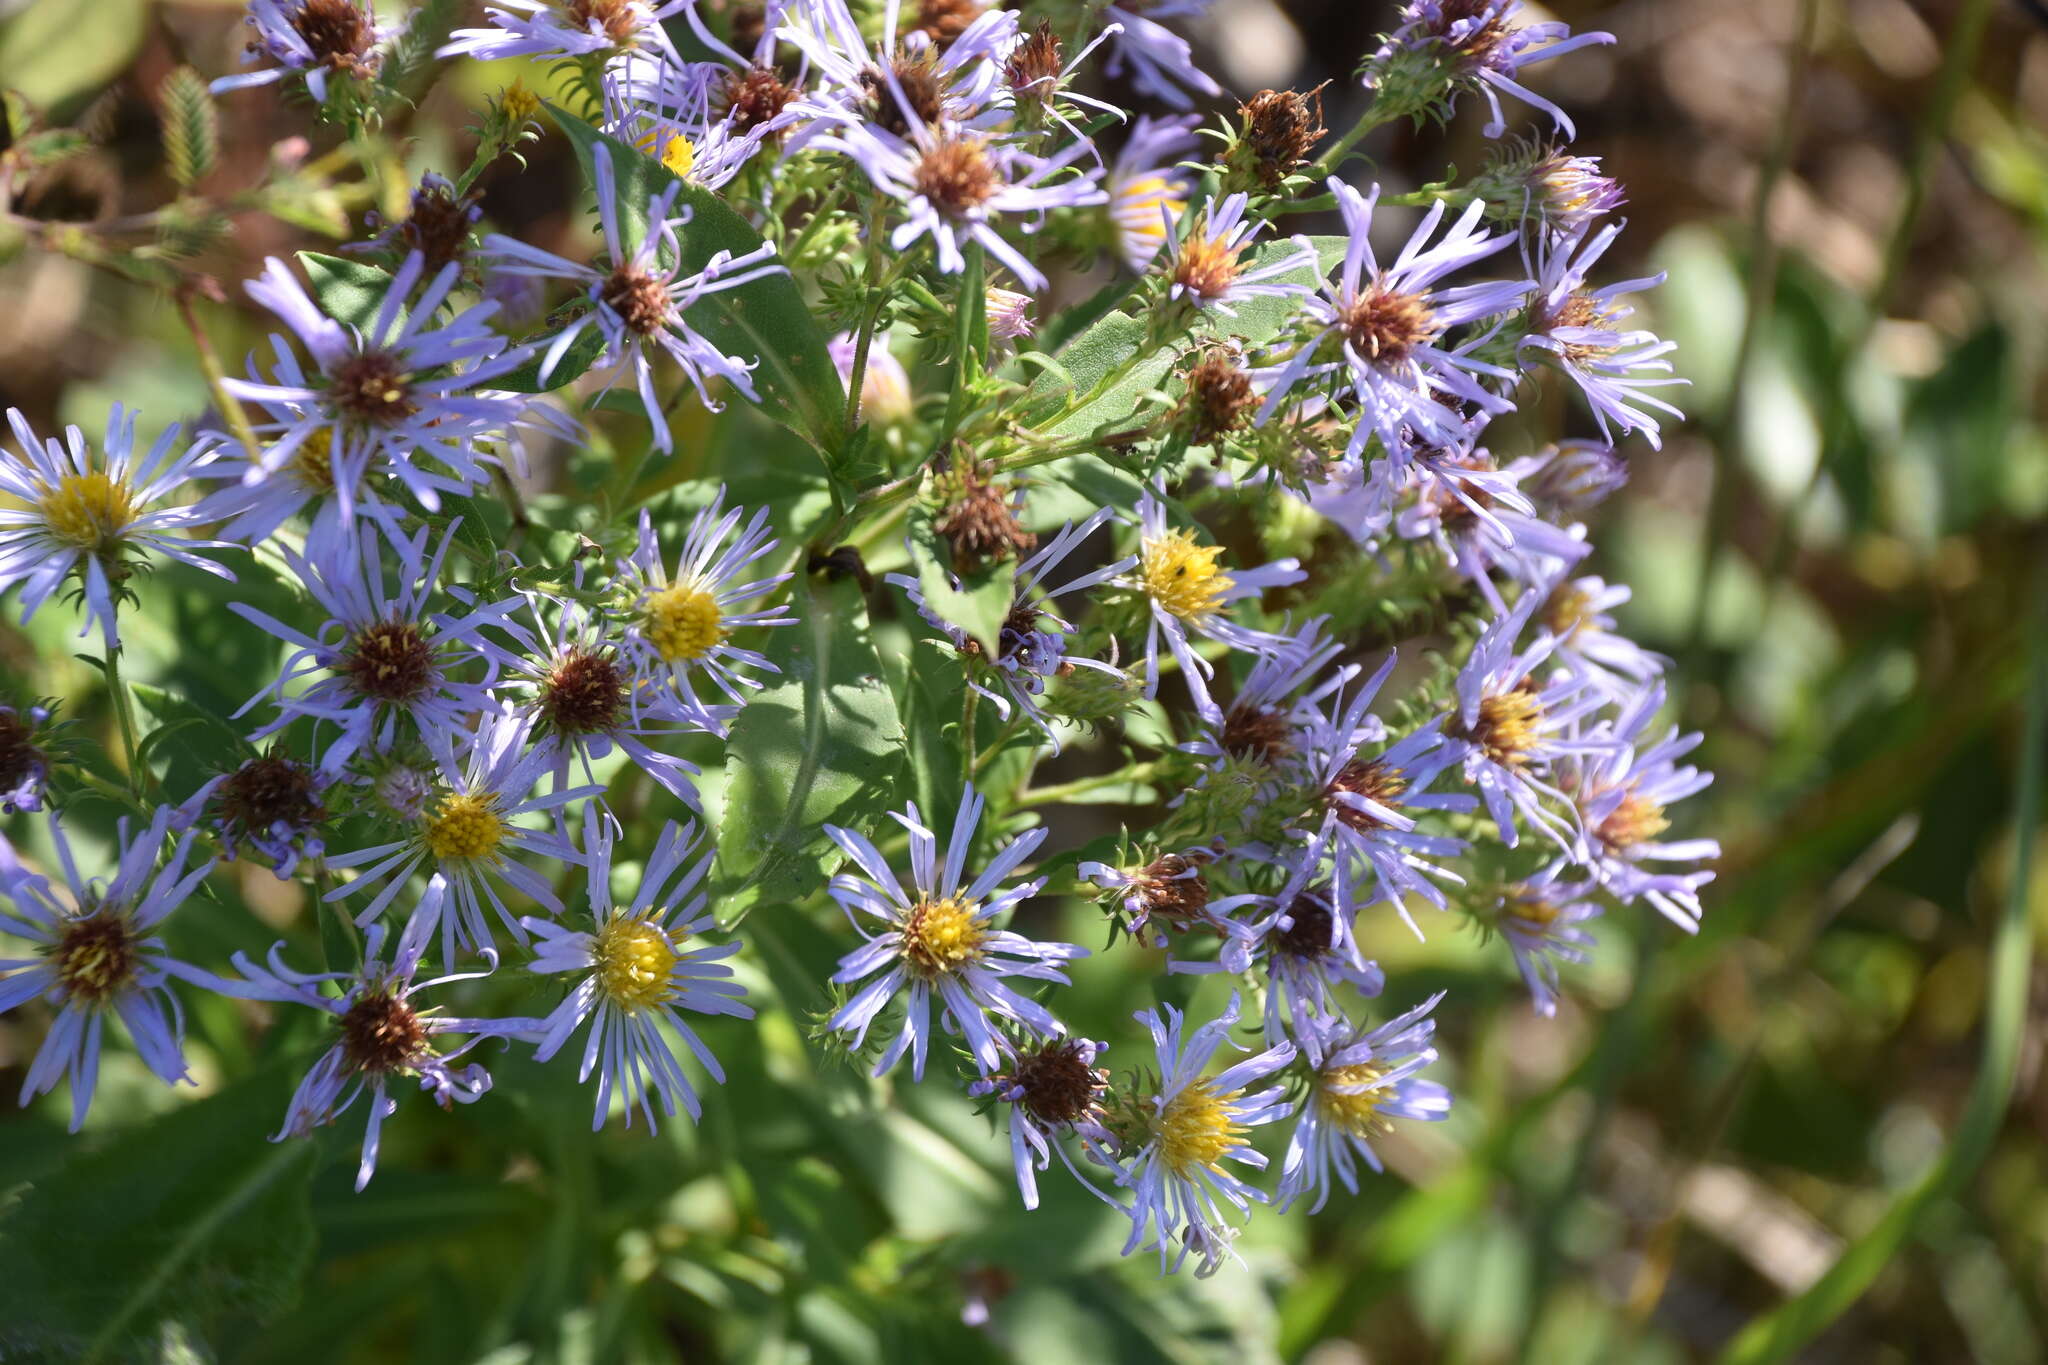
615, 17
381, 1034
1634, 819
1372, 780
266, 792
1034, 64
584, 693
371, 388
1507, 727
756, 96
944, 20
1206, 265
390, 661
1383, 324
981, 525
1308, 932
1059, 1086
640, 300
1219, 398
956, 176
337, 32
922, 89
95, 955
438, 227
1281, 127
1257, 733
1174, 889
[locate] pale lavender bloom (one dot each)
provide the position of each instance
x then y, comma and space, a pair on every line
1573, 477
635, 974
1579, 330
954, 187
94, 515
664, 106
1204, 269
588, 696
1171, 892
272, 803
550, 28
1186, 591
1009, 314
384, 1036
1481, 521
388, 659
393, 397
640, 303
1032, 645
96, 955
317, 37
685, 620
24, 767
469, 837
1541, 919
939, 940
1148, 188
1511, 729
860, 87
1482, 49
1177, 1178
1260, 739
1622, 786
1386, 327
885, 395
1566, 192
1368, 825
1161, 63
1578, 613
1365, 1080
1054, 1089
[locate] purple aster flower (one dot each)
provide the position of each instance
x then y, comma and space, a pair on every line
1622, 787
941, 941
1573, 477
273, 804
640, 302
1579, 330
1368, 807
318, 37
1032, 645
1053, 1088
1203, 267
1480, 49
94, 516
1186, 590
885, 395
470, 838
1276, 705
635, 974
1385, 328
1365, 1080
1195, 1123
666, 108
1481, 521
1577, 615
1511, 729
1551, 187
903, 85
954, 186
383, 1036
587, 697
1161, 63
394, 396
24, 765
387, 658
1148, 188
1009, 314
1542, 918
685, 620
562, 28
1169, 892
97, 955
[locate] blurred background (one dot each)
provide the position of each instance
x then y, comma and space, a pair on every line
1842, 550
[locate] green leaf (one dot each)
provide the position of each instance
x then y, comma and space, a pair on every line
766, 320
823, 744
191, 134
347, 291
574, 362
172, 1223
981, 601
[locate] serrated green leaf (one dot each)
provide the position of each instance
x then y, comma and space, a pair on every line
191, 1215
823, 744
347, 291
766, 320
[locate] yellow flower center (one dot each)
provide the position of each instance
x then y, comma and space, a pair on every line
87, 510
633, 960
1138, 212
1195, 1130
678, 155
519, 103
1355, 1107
314, 464
1633, 820
684, 622
942, 936
1532, 913
1507, 726
1182, 576
465, 826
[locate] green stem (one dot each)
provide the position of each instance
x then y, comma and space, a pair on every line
1065, 791
987, 756
876, 294
124, 715
1333, 155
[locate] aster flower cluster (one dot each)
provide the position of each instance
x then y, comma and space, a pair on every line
1246, 524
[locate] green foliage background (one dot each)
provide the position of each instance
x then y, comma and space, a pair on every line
1789, 1133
